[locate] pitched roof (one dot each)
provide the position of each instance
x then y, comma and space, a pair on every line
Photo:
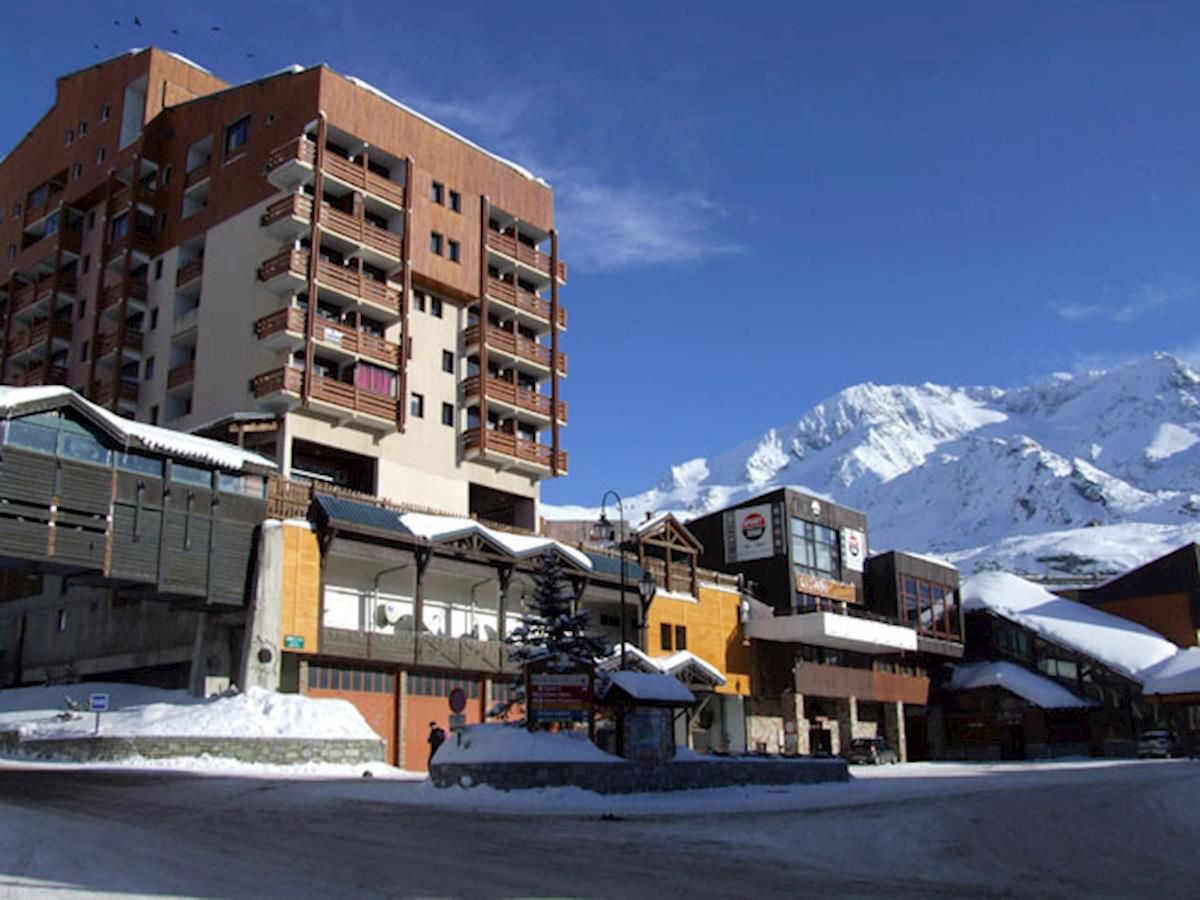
1037, 689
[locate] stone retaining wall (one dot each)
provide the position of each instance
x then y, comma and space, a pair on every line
278, 751
628, 777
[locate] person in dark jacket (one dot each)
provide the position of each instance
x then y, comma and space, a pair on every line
437, 737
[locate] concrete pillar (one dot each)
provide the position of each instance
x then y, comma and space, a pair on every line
798, 717
847, 716
936, 724
893, 728
733, 724
199, 667
261, 662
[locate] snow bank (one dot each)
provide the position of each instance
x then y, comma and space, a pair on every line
513, 744
1037, 689
1120, 644
136, 710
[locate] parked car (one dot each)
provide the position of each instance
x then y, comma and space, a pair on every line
871, 751
1160, 743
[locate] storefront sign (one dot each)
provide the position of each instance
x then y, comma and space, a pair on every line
826, 587
854, 549
293, 642
749, 533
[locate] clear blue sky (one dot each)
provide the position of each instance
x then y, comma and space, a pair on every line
764, 203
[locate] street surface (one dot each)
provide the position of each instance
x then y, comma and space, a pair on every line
1128, 830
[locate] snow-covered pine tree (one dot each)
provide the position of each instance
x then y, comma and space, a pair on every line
550, 632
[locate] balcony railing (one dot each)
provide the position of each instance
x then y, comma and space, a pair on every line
339, 278
108, 343
523, 398
111, 295
189, 272
69, 239
102, 392
182, 374
43, 209
523, 300
329, 332
515, 345
32, 294
515, 447
304, 151
136, 241
198, 174
326, 390
122, 198
523, 253
292, 206
360, 230
37, 373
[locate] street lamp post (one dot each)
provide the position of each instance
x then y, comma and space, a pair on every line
603, 532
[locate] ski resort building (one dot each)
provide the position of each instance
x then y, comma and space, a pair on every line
842, 644
300, 264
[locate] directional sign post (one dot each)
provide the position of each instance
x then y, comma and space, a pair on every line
98, 703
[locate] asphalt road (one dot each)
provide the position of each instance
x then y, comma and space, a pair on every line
1128, 831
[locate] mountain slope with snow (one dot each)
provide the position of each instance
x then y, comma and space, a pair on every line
1033, 479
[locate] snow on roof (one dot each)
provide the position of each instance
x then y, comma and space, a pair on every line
651, 523
681, 660
445, 528
651, 687
1120, 644
521, 170
1178, 675
1037, 689
187, 62
495, 743
17, 400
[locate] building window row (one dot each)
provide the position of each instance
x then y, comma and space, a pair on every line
439, 685
438, 194
816, 550
343, 678
672, 637
439, 245
422, 302
930, 607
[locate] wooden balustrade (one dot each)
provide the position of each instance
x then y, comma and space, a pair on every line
523, 398
189, 272
196, 175
295, 261
47, 206
360, 230
360, 177
288, 319
182, 374
38, 373
286, 379
300, 148
515, 345
353, 282
504, 292
102, 391
293, 205
326, 390
511, 247
515, 447
107, 342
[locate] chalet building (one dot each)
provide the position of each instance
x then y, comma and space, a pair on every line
299, 263
126, 550
842, 645
1048, 676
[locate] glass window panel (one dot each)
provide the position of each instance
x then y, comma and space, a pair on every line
185, 474
85, 447
34, 437
143, 465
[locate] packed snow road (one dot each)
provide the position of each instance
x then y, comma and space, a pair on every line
908, 831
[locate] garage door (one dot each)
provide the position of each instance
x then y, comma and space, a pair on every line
373, 693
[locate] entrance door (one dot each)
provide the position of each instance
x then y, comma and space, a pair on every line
820, 740
1012, 742
372, 692
427, 699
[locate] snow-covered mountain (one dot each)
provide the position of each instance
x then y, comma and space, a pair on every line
1075, 474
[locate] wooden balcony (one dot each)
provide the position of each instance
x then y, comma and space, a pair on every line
106, 344
360, 231
518, 452
360, 177
289, 217
292, 163
515, 345
111, 296
189, 272
522, 398
344, 401
198, 174
181, 375
352, 283
122, 198
286, 271
509, 246
142, 244
102, 392
43, 209
520, 299
40, 373
33, 295
821, 680
292, 322
69, 239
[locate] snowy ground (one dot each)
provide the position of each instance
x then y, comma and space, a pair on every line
1066, 829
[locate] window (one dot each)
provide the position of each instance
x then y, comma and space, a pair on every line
416, 405
664, 636
69, 138
236, 135
99, 155
83, 352
119, 227
456, 201
438, 194
269, 118
418, 301
455, 251
87, 263
154, 318
815, 549
435, 243
82, 128
447, 361
154, 415
158, 270
149, 373
82, 309
17, 208
448, 414
680, 637
62, 620
91, 220
77, 172
12, 251
165, 178
104, 111
435, 307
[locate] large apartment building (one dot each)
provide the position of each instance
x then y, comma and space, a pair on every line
300, 264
